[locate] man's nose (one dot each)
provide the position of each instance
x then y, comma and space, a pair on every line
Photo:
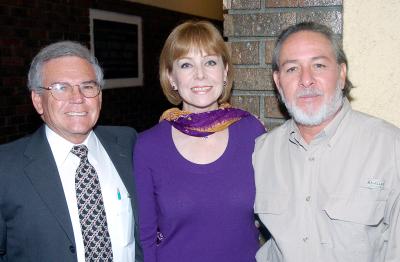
306, 77
76, 93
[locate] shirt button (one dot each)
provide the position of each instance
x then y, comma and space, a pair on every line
305, 239
72, 249
308, 198
311, 158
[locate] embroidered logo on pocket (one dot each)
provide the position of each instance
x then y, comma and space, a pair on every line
375, 184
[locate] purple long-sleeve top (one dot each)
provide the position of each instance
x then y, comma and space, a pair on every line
200, 212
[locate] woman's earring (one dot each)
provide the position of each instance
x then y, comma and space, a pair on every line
174, 87
224, 83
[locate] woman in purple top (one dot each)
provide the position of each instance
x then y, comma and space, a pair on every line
193, 170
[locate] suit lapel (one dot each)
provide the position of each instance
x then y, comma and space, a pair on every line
42, 171
121, 156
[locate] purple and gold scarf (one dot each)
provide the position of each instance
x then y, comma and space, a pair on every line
203, 124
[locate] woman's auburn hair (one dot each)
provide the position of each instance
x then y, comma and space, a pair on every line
197, 35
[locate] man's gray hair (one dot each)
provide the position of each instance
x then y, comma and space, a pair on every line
316, 28
57, 50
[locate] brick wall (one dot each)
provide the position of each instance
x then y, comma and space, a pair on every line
251, 27
26, 26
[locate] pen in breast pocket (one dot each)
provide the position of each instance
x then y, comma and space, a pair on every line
118, 194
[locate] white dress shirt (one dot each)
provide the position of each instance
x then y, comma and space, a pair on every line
115, 196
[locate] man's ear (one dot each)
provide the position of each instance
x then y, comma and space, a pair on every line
276, 80
37, 101
342, 74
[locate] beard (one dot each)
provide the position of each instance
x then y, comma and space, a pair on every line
309, 116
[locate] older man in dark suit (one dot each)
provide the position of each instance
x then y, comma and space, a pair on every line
67, 192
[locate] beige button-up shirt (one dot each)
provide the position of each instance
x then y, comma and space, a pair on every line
334, 199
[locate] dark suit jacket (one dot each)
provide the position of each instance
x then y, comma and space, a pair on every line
34, 220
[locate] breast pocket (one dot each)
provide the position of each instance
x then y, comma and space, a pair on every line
125, 218
350, 222
361, 211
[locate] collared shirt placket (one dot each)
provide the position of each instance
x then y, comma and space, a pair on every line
307, 185
310, 174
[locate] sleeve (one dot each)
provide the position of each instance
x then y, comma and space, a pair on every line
148, 216
393, 218
393, 249
258, 126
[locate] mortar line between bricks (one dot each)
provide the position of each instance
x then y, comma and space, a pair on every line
261, 53
275, 120
232, 39
249, 38
252, 66
260, 93
263, 4
274, 10
261, 105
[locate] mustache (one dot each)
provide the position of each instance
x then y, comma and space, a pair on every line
309, 92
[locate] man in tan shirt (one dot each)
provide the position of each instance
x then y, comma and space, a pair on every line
327, 180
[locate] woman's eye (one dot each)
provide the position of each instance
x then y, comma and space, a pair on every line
185, 65
211, 63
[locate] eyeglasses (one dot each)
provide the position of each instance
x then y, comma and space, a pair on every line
64, 91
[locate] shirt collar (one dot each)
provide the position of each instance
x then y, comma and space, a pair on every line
294, 135
61, 147
332, 128
327, 134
